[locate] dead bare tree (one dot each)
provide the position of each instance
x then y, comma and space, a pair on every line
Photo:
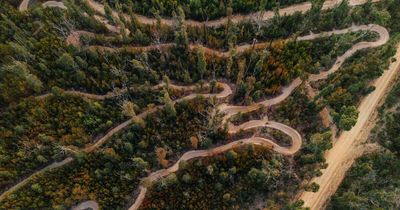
212, 118
65, 27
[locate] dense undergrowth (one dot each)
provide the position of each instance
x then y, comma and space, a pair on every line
34, 59
374, 181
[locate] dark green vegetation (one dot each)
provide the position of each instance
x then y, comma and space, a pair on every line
34, 59
198, 9
110, 175
242, 177
227, 181
343, 90
228, 35
34, 132
374, 180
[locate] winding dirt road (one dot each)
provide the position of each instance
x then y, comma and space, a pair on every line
27, 179
383, 38
230, 111
267, 15
334, 156
267, 143
86, 95
73, 39
90, 148
25, 5
344, 149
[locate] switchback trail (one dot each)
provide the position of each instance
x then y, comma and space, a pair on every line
230, 110
27, 179
267, 143
381, 31
261, 16
90, 148
74, 39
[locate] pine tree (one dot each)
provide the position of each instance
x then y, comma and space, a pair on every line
108, 13
201, 63
128, 108
242, 68
181, 37
167, 82
231, 28
169, 105
250, 81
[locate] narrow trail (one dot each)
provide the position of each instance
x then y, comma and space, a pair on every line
383, 38
58, 4
86, 95
25, 5
296, 138
74, 39
90, 148
267, 143
30, 177
366, 107
343, 149
87, 205
261, 16
230, 111
189, 88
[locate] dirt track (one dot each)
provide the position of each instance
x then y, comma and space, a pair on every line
86, 205
329, 4
343, 149
230, 111
267, 143
25, 180
25, 4
334, 173
58, 4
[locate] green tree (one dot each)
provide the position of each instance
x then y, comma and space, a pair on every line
66, 62
231, 155
229, 64
169, 105
181, 37
231, 29
258, 178
186, 178
16, 81
37, 188
201, 63
250, 81
108, 12
139, 163
348, 117
128, 108
260, 63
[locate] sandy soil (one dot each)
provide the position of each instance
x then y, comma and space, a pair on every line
343, 150
336, 157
